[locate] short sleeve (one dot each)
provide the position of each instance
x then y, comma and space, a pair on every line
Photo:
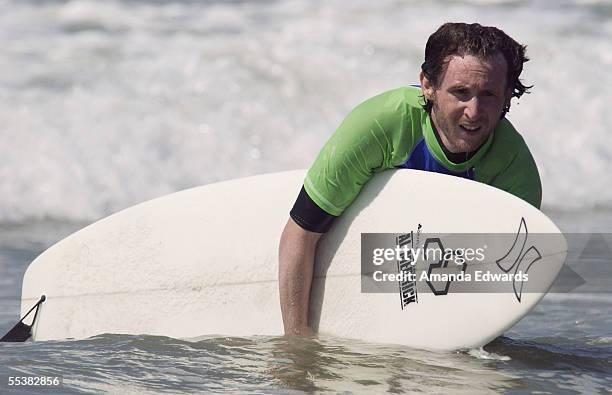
371, 139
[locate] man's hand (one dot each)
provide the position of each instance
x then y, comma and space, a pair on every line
296, 262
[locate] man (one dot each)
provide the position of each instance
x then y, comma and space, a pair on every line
455, 124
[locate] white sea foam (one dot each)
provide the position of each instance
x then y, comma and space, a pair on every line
105, 104
480, 353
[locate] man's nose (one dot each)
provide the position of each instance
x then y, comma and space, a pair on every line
472, 108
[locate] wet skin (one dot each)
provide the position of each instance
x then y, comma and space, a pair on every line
468, 103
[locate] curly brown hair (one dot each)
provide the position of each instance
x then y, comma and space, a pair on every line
473, 39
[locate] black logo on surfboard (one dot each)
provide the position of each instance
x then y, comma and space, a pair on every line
407, 287
519, 258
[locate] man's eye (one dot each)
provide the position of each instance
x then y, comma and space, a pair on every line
489, 94
461, 93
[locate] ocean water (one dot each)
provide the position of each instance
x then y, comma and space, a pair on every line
564, 346
107, 104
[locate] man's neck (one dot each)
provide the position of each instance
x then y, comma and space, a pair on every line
455, 157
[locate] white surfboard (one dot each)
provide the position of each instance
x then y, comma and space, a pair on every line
204, 261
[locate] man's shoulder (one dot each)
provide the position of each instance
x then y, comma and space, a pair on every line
507, 136
506, 147
395, 101
508, 144
510, 166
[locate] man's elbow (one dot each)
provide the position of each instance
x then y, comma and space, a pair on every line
294, 236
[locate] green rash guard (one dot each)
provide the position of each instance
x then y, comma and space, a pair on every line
392, 130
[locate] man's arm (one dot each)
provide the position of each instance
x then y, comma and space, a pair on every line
375, 136
296, 263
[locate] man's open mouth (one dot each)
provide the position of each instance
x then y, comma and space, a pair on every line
469, 128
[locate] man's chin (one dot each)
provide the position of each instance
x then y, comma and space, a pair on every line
468, 145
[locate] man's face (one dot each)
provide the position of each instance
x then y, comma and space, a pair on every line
468, 102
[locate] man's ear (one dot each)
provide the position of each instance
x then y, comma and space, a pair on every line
426, 87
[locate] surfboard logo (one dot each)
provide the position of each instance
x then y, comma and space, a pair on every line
519, 258
442, 263
407, 287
